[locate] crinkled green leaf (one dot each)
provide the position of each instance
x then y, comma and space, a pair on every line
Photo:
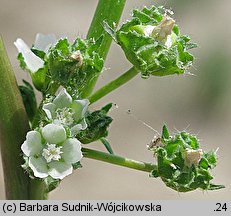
29, 99
145, 52
107, 107
165, 133
21, 61
97, 125
172, 166
77, 165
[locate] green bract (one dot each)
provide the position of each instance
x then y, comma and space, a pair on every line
153, 44
74, 65
29, 99
181, 164
97, 125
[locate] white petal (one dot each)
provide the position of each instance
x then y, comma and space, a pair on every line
63, 99
59, 170
168, 42
54, 134
39, 167
71, 151
33, 62
32, 145
148, 30
49, 109
44, 42
82, 126
79, 107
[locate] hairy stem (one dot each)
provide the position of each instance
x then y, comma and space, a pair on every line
109, 11
13, 128
132, 72
38, 190
118, 160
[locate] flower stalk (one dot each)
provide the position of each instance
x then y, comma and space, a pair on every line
118, 160
121, 80
109, 11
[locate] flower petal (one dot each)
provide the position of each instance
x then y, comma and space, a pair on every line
63, 99
71, 151
33, 62
39, 167
32, 145
81, 126
79, 107
49, 109
59, 169
54, 134
44, 42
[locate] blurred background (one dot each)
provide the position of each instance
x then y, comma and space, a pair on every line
200, 102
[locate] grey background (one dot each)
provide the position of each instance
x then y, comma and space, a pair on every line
200, 103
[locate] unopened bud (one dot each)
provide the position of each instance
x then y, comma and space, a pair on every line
164, 29
193, 157
78, 57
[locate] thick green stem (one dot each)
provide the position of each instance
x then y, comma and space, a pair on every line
132, 72
38, 190
109, 11
13, 128
118, 160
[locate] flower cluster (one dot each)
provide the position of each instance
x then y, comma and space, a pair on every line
53, 62
52, 150
181, 164
152, 42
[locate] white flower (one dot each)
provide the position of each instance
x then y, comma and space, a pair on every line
68, 112
33, 62
42, 43
192, 157
55, 156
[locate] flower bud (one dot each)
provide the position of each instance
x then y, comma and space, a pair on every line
193, 157
164, 29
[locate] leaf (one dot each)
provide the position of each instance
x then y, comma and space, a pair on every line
107, 107
97, 125
77, 165
29, 99
21, 61
51, 183
165, 133
215, 187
